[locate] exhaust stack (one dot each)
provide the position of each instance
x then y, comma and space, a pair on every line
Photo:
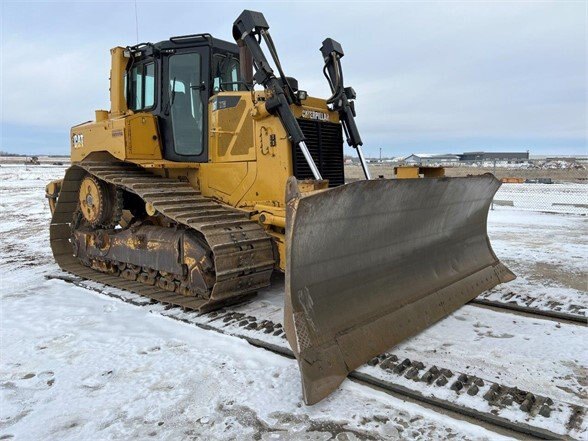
118, 104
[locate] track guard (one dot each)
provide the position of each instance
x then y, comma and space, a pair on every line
372, 263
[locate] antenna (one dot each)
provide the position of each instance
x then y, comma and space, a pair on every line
136, 22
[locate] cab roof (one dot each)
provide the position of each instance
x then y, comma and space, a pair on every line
185, 41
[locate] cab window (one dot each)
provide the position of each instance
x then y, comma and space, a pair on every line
226, 73
142, 87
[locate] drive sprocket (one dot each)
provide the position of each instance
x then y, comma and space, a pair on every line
100, 203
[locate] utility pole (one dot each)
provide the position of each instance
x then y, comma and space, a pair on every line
380, 154
492, 205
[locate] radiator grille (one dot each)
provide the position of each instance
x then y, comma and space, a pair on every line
325, 143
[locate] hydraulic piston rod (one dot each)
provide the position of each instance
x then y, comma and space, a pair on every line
315, 171
364, 166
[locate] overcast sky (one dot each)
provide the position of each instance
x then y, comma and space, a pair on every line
430, 76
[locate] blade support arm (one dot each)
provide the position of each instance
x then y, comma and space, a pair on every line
250, 27
342, 97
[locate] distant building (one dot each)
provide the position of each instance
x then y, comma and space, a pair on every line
428, 159
495, 156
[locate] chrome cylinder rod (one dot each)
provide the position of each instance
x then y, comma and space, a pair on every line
366, 172
315, 171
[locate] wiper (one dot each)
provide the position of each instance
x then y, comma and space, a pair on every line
172, 97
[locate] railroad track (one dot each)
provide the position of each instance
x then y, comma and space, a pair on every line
496, 406
531, 311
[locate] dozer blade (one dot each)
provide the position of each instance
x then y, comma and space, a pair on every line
374, 262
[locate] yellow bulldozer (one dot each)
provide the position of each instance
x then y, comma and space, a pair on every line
212, 170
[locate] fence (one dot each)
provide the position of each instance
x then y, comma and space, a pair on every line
559, 197
548, 186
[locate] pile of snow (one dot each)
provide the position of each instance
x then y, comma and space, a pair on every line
526, 165
535, 165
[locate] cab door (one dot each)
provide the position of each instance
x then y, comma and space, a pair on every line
183, 121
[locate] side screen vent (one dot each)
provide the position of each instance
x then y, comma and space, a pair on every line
325, 143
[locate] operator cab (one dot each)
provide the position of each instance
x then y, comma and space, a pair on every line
173, 80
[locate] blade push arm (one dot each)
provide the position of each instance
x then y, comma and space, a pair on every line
342, 96
250, 28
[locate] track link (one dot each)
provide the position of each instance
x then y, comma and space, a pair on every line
530, 311
505, 299
243, 253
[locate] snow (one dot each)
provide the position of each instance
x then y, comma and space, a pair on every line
547, 252
77, 365
512, 350
525, 361
99, 366
80, 365
507, 349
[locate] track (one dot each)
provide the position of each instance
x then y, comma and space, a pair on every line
531, 311
243, 252
496, 405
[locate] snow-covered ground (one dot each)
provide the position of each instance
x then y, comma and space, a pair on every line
548, 253
80, 365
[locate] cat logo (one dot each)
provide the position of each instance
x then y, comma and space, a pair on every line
313, 114
77, 141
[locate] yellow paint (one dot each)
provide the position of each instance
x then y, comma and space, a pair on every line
512, 180
414, 172
272, 219
101, 115
250, 156
223, 178
165, 164
150, 209
142, 137
52, 192
118, 104
132, 137
279, 240
89, 200
231, 132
